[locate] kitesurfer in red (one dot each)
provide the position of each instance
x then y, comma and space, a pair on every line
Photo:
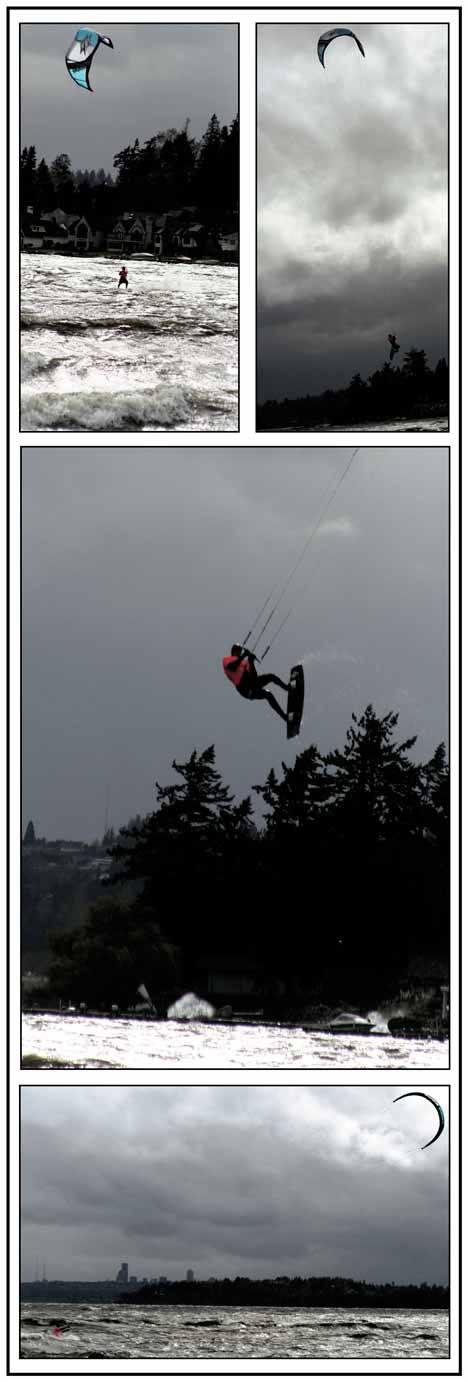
123, 277
240, 668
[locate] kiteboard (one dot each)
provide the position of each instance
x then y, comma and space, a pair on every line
295, 700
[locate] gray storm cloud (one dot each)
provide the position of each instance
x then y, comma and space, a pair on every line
352, 195
256, 1181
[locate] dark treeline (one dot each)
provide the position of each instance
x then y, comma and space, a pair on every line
276, 1291
293, 1291
345, 883
57, 890
414, 390
168, 171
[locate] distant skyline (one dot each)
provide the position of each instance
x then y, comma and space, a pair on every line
352, 202
227, 1181
141, 566
40, 1275
156, 77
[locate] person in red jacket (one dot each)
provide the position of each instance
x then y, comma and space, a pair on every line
240, 668
123, 277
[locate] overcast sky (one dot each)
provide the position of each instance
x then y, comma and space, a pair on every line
352, 202
142, 566
233, 1181
156, 76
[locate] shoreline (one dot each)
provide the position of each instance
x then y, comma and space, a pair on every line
109, 256
408, 1029
366, 424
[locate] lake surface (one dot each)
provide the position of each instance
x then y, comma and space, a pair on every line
161, 355
136, 1045
401, 424
171, 1331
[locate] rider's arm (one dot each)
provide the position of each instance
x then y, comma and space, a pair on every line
245, 655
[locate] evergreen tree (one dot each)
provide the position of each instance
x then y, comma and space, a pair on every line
375, 786
436, 795
357, 394
188, 849
415, 364
28, 178
64, 183
176, 169
126, 163
295, 803
232, 166
441, 380
209, 177
44, 188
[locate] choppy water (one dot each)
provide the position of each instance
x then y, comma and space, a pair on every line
112, 1331
158, 356
136, 1045
400, 424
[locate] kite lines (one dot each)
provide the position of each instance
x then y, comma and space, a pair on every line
276, 596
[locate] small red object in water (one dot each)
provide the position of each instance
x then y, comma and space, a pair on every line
57, 1331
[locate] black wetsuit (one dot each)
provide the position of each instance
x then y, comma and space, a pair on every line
253, 686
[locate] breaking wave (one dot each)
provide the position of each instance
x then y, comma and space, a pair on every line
166, 406
189, 1008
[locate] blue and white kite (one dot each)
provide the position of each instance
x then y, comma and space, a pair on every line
81, 53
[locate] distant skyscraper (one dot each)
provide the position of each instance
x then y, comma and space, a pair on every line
122, 1274
190, 1275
